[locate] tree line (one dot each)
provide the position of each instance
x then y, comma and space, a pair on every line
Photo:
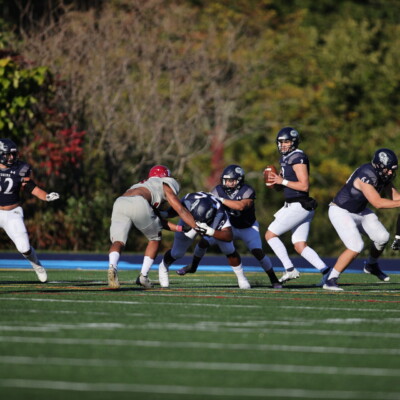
95, 94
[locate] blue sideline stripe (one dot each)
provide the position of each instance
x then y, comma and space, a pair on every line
123, 265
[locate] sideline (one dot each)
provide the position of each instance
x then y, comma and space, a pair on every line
87, 261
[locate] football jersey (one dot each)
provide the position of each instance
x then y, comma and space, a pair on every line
11, 179
155, 186
288, 173
352, 199
239, 219
221, 219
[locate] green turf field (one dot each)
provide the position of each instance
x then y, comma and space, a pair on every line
203, 338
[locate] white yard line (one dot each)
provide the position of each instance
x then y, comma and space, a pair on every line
199, 345
188, 303
196, 365
192, 390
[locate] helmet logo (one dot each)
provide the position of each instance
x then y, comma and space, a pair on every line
239, 171
383, 158
3, 147
294, 133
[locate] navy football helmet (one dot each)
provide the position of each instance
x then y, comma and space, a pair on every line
234, 172
8, 152
288, 133
202, 206
385, 160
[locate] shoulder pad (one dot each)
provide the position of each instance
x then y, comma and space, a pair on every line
172, 183
24, 170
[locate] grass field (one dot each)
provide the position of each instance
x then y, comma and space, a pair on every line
201, 338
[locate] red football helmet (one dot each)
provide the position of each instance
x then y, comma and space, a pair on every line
159, 171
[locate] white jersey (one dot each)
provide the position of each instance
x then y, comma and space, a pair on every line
155, 186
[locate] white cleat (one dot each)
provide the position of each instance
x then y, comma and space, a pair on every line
41, 273
289, 275
144, 281
163, 277
244, 284
113, 282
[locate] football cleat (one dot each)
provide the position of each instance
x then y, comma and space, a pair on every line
374, 269
289, 275
396, 244
277, 285
113, 282
144, 281
331, 284
41, 273
323, 279
186, 270
163, 275
244, 283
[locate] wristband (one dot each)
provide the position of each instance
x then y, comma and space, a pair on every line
285, 182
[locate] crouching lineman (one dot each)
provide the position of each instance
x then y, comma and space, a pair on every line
214, 225
237, 198
138, 206
14, 175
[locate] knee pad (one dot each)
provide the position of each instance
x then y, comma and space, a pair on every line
258, 253
381, 242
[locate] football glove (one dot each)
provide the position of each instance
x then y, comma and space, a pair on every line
52, 196
204, 229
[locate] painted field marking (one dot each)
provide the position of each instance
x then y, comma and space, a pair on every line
199, 345
192, 390
196, 365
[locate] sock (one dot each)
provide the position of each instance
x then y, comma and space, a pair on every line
334, 274
265, 263
113, 258
280, 251
372, 260
199, 252
313, 258
238, 270
147, 264
32, 257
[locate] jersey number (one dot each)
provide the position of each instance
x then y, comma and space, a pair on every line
10, 185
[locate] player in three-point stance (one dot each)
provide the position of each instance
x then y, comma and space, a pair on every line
351, 217
237, 198
14, 175
139, 206
298, 211
213, 224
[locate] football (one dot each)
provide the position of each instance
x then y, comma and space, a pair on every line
267, 171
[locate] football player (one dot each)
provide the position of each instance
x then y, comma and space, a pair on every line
298, 211
351, 217
14, 175
237, 198
139, 206
213, 224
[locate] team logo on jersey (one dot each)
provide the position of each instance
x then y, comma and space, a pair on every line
383, 158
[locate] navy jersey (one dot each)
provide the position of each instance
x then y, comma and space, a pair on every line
239, 219
287, 162
352, 199
220, 217
10, 182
